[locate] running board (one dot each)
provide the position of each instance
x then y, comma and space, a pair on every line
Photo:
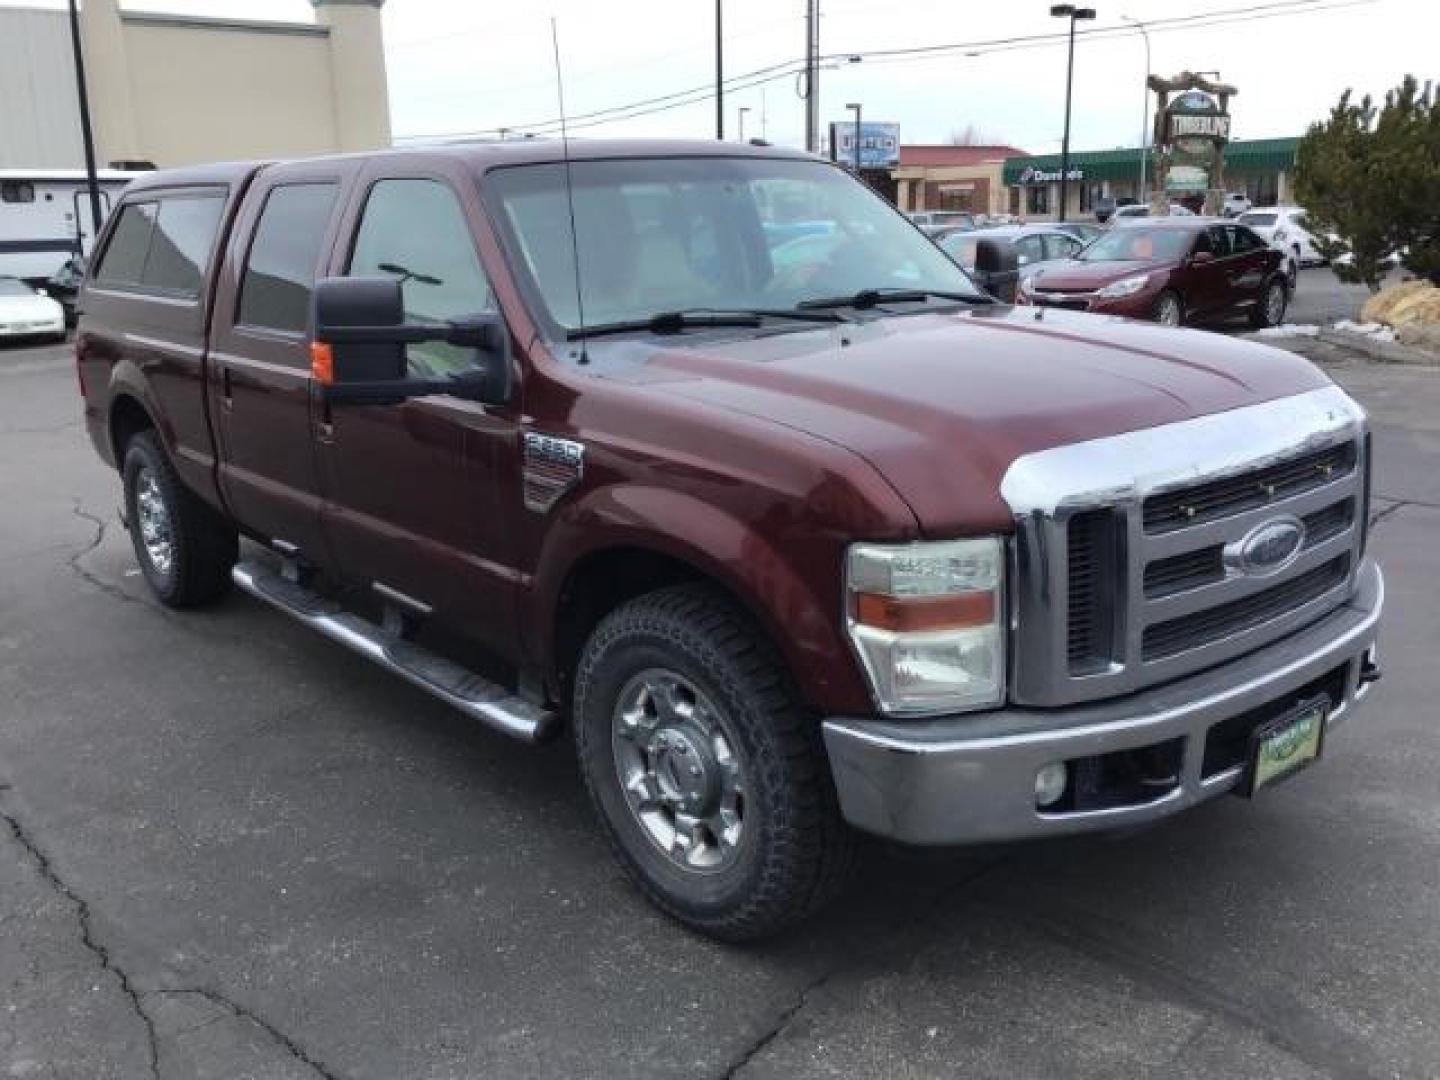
477, 697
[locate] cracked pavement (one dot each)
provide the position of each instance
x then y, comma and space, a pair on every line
229, 849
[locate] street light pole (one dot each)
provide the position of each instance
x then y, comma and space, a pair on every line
1144, 109
855, 108
812, 75
719, 72
1074, 14
86, 134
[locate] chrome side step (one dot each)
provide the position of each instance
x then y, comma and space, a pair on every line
472, 694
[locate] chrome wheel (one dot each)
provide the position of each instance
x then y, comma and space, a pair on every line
152, 518
678, 770
1274, 304
1167, 311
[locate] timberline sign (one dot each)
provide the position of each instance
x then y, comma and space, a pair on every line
1191, 131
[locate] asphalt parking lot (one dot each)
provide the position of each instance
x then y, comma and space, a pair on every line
230, 849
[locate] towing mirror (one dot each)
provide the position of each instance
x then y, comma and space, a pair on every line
997, 269
359, 353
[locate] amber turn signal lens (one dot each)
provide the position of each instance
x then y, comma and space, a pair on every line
322, 362
910, 614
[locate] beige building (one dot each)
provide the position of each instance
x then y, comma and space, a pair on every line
947, 177
180, 90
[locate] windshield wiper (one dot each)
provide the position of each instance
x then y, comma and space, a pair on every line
869, 298
673, 322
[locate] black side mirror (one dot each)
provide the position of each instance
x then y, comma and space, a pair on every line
360, 338
997, 268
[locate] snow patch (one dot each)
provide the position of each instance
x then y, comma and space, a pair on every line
1373, 330
1289, 330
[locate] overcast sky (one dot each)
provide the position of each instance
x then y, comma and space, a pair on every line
467, 65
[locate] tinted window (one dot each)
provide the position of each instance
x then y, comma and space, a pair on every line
1060, 247
125, 254
416, 231
280, 271
17, 191
1244, 240
1262, 220
1028, 250
1220, 241
180, 244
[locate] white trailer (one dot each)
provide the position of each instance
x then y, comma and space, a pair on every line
45, 217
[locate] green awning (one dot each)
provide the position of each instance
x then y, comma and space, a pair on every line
1241, 156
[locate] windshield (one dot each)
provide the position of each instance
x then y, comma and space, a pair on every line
720, 234
1138, 244
1263, 220
14, 287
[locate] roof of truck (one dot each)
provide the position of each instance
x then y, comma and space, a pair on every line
483, 155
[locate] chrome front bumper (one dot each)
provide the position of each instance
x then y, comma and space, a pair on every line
967, 779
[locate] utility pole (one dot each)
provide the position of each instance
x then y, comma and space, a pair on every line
1074, 14
86, 135
1144, 110
855, 108
812, 75
719, 71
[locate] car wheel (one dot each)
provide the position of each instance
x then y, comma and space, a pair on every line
709, 781
1270, 311
1168, 310
184, 547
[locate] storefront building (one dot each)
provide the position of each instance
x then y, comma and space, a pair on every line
964, 178
1262, 168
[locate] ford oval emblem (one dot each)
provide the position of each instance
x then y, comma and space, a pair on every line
1268, 548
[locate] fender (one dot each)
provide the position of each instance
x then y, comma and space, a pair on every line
794, 598
127, 379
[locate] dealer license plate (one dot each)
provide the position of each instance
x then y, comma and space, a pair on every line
1283, 746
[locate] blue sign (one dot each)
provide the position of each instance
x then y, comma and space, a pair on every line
879, 144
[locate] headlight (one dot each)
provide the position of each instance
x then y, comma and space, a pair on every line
928, 623
1125, 286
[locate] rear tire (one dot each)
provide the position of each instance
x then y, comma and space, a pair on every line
710, 783
1168, 309
1270, 310
184, 547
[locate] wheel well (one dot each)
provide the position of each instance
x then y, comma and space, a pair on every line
127, 418
597, 585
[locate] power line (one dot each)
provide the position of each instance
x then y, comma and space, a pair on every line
788, 69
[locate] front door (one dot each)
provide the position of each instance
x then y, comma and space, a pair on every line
419, 494
259, 375
1205, 286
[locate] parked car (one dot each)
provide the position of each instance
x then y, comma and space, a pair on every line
932, 220
1171, 270
63, 286
1235, 203
1126, 214
26, 313
789, 554
1033, 245
1287, 227
1106, 205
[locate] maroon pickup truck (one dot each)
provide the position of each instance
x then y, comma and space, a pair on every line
707, 456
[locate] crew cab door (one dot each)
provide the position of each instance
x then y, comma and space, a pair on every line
259, 375
1252, 264
1206, 282
420, 495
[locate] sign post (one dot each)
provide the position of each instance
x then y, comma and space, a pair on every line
1190, 136
867, 145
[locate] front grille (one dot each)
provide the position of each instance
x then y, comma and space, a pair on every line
1091, 598
1203, 627
1326, 524
1233, 495
1190, 570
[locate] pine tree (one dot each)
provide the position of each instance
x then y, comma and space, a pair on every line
1371, 177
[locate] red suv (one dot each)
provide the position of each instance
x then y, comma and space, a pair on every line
1173, 271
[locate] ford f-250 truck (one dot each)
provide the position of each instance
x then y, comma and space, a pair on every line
705, 454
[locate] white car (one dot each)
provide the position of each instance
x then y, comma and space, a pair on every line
1285, 227
26, 313
1236, 202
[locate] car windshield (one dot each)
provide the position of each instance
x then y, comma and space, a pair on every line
1263, 220
14, 287
1138, 244
714, 234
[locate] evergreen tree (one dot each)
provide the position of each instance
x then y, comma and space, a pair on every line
1371, 177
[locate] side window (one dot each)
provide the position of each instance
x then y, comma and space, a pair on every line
17, 191
180, 244
1061, 247
1243, 240
280, 269
124, 258
1028, 250
415, 230
1220, 241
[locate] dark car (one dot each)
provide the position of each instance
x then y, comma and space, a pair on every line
1171, 270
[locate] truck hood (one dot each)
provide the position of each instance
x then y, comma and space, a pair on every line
942, 403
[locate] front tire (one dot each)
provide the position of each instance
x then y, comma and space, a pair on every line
1168, 309
184, 547
1270, 310
710, 783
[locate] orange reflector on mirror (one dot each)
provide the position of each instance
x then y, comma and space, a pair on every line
322, 362
918, 613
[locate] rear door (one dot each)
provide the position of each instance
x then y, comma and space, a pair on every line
260, 389
1253, 259
417, 493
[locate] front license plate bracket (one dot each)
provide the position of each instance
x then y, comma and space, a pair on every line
1281, 747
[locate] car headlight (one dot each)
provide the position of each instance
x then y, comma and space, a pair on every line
1125, 286
928, 623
